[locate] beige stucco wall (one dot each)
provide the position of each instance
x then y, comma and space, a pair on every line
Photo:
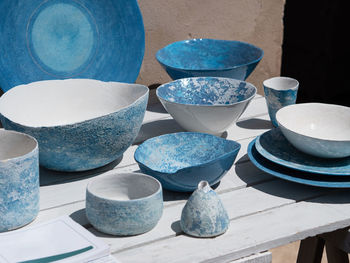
259, 22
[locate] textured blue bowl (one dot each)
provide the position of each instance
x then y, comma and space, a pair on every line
19, 180
181, 160
80, 124
124, 204
61, 39
209, 57
206, 104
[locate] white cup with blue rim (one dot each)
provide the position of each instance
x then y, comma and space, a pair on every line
279, 92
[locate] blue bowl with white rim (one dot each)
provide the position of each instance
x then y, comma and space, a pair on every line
209, 57
181, 160
124, 204
206, 104
80, 124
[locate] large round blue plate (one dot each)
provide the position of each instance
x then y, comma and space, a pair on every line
294, 175
58, 39
276, 148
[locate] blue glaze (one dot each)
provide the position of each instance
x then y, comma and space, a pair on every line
206, 91
181, 160
276, 148
209, 57
124, 217
88, 144
292, 175
58, 39
19, 185
204, 214
276, 99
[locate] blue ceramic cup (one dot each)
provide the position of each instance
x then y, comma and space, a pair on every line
279, 92
19, 179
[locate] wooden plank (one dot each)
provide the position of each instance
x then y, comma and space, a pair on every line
264, 257
248, 234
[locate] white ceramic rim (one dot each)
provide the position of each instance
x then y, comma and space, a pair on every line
287, 108
25, 154
208, 106
112, 174
267, 83
144, 92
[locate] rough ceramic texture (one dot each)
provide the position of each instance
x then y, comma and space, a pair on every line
275, 147
204, 214
84, 144
19, 180
317, 129
59, 39
285, 173
279, 92
124, 204
181, 160
206, 104
209, 57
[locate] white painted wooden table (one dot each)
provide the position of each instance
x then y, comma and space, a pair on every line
265, 212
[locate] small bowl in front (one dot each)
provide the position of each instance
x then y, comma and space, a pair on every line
206, 104
80, 124
318, 129
209, 57
19, 179
124, 204
181, 160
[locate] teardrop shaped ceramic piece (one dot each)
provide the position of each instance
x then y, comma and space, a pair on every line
204, 214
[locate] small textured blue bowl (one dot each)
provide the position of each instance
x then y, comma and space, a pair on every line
19, 180
209, 57
124, 204
181, 160
80, 124
206, 104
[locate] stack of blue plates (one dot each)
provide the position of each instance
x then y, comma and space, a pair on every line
273, 154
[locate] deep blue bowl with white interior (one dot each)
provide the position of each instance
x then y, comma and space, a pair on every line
80, 124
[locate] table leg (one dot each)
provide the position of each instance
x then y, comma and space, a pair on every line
310, 250
335, 255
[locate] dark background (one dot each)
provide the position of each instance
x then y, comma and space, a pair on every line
315, 49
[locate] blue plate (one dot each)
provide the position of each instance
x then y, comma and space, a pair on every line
181, 160
276, 148
58, 39
293, 175
209, 58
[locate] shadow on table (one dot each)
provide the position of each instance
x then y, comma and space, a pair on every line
50, 177
255, 124
291, 190
156, 128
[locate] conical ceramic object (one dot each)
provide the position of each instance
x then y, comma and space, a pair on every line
204, 214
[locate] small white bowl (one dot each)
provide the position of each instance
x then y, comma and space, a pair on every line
318, 129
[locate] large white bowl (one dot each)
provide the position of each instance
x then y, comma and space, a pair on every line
80, 124
206, 104
318, 129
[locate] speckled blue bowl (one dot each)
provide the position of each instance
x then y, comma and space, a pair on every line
80, 124
124, 204
19, 180
209, 57
181, 160
206, 104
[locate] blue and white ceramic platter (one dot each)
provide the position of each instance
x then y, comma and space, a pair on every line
209, 57
59, 39
181, 160
295, 176
276, 148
